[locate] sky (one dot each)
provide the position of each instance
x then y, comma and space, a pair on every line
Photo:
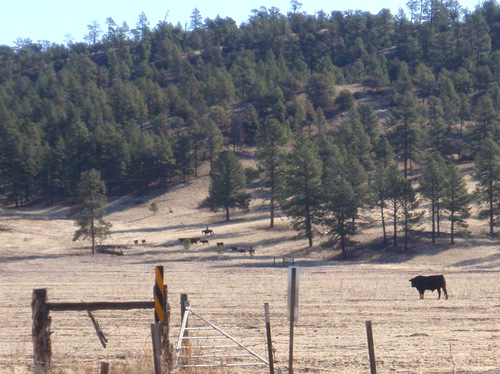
55, 20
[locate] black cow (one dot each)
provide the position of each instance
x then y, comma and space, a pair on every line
431, 283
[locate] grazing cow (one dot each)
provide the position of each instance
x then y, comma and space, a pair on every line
194, 240
207, 231
182, 240
431, 283
136, 241
204, 241
143, 241
234, 249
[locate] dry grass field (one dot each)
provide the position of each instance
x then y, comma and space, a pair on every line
458, 335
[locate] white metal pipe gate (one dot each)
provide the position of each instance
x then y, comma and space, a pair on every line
188, 355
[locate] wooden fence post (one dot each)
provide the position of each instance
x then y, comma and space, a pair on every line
184, 299
104, 368
42, 351
269, 339
159, 296
155, 334
168, 348
371, 348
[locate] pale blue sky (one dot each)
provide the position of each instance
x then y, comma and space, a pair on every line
52, 20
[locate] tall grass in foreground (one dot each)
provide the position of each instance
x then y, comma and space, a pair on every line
132, 365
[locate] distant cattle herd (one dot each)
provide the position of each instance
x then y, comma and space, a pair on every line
421, 282
220, 245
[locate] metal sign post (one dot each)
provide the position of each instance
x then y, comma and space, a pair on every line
293, 308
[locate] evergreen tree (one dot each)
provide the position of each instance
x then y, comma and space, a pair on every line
164, 162
227, 185
88, 211
302, 193
384, 153
320, 90
396, 188
487, 171
449, 99
409, 204
438, 133
183, 154
370, 122
340, 209
272, 136
431, 187
456, 199
487, 122
321, 121
197, 141
381, 193
425, 81
213, 139
353, 137
345, 193
405, 133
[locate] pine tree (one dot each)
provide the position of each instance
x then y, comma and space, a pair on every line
487, 122
409, 203
302, 192
213, 139
272, 136
227, 185
425, 81
405, 135
183, 154
487, 171
456, 199
341, 199
88, 211
396, 191
380, 190
431, 188
437, 128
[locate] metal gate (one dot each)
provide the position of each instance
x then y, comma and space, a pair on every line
206, 345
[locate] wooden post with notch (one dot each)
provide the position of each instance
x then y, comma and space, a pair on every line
42, 349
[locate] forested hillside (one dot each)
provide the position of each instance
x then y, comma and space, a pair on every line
147, 105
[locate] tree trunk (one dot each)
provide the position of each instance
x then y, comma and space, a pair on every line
92, 234
433, 214
309, 227
395, 224
438, 219
383, 222
492, 218
227, 213
271, 225
452, 228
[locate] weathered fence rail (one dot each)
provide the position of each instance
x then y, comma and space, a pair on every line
92, 306
41, 308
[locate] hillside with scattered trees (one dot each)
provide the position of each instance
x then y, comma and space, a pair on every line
347, 112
